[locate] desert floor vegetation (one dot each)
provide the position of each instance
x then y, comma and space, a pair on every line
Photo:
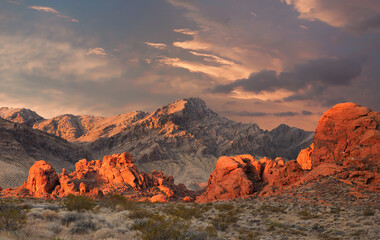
114, 217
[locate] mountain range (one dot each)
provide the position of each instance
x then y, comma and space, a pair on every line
183, 139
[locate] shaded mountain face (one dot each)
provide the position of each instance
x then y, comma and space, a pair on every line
183, 138
21, 146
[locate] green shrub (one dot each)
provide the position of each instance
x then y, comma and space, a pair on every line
82, 227
223, 220
306, 215
79, 203
335, 210
71, 217
12, 216
159, 227
116, 201
224, 206
186, 211
368, 212
271, 208
140, 213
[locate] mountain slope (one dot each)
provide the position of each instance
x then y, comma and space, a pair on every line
20, 115
183, 138
21, 146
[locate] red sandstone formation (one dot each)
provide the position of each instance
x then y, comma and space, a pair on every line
347, 132
346, 146
115, 174
242, 176
42, 180
304, 157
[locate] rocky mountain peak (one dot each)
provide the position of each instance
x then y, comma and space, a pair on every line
20, 115
183, 110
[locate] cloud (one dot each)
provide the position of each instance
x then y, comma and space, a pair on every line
96, 51
160, 46
253, 13
185, 31
305, 81
192, 45
306, 113
213, 58
353, 14
55, 60
266, 114
224, 71
53, 11
286, 114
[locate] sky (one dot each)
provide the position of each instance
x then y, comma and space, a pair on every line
267, 62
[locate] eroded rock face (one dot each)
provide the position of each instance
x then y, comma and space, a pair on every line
243, 176
115, 174
347, 132
42, 180
304, 157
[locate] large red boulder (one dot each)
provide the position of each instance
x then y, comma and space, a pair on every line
304, 157
347, 134
42, 179
233, 177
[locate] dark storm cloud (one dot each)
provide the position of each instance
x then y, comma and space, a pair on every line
286, 114
264, 114
313, 78
306, 113
245, 113
370, 23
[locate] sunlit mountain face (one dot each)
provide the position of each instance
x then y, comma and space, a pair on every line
264, 62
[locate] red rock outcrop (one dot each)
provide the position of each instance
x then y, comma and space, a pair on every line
115, 174
42, 180
304, 157
243, 176
346, 146
347, 132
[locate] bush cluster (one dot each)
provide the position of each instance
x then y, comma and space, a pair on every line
79, 203
12, 215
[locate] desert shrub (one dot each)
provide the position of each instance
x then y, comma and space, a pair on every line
160, 227
317, 227
247, 234
82, 227
79, 203
272, 225
55, 228
71, 217
12, 216
140, 213
187, 211
335, 210
223, 220
104, 233
271, 208
50, 215
116, 201
224, 206
368, 212
306, 215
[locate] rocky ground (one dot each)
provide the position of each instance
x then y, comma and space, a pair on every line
284, 216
